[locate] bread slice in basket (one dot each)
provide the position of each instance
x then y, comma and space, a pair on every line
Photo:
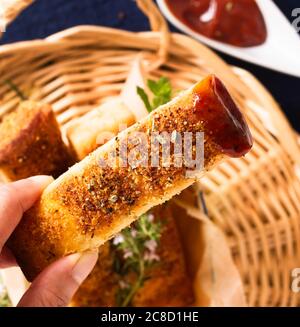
31, 143
100, 196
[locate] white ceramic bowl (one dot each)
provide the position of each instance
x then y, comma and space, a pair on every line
280, 52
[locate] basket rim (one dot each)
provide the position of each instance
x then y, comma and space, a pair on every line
69, 32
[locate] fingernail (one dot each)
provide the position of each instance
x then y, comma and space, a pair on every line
42, 180
85, 263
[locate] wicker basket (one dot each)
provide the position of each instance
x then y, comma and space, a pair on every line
255, 200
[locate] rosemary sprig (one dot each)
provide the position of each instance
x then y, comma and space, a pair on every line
15, 88
162, 91
135, 252
4, 299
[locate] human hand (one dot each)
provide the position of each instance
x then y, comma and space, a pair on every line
57, 284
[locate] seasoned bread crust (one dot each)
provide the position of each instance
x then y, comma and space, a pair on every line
91, 203
31, 143
168, 285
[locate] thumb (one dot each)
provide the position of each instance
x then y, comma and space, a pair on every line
57, 284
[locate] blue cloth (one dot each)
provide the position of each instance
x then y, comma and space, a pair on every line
46, 17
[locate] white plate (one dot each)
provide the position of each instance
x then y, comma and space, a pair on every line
280, 52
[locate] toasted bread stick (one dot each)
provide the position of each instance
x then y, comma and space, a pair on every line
92, 202
31, 143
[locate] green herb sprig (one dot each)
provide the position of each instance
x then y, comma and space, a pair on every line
4, 299
135, 254
15, 88
162, 91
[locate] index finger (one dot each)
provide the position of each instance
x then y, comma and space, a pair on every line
15, 199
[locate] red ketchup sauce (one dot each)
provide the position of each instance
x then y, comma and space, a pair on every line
236, 22
228, 128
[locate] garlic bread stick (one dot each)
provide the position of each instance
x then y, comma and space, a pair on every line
100, 196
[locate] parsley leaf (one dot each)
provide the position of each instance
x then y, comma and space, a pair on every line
162, 91
145, 98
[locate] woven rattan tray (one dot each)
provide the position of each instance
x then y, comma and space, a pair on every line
255, 200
